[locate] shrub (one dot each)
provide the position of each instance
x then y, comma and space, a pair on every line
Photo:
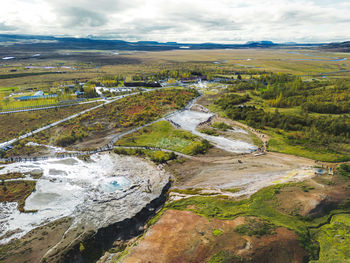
200, 147
65, 140
209, 131
217, 232
221, 126
256, 228
344, 169
222, 257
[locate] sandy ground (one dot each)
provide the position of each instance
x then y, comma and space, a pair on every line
217, 170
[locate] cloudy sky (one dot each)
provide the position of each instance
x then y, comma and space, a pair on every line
223, 21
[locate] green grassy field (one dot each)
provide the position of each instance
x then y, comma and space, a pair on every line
334, 240
248, 62
163, 135
8, 89
90, 64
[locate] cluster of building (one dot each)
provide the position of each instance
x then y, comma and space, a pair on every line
37, 95
118, 89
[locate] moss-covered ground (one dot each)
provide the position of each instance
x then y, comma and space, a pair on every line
334, 240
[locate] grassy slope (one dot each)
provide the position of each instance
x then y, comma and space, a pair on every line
278, 143
334, 239
163, 135
11, 176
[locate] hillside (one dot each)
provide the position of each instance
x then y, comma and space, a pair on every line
340, 47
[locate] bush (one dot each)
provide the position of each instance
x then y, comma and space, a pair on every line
256, 228
222, 257
344, 169
222, 126
200, 147
161, 157
65, 140
209, 131
230, 100
217, 232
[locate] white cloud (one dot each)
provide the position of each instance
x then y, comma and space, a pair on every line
181, 20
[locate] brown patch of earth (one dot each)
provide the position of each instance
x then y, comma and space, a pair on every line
34, 245
182, 236
96, 139
314, 197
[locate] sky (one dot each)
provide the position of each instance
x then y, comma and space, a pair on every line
186, 21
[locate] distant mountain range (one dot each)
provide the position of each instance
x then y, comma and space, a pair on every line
342, 47
34, 42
